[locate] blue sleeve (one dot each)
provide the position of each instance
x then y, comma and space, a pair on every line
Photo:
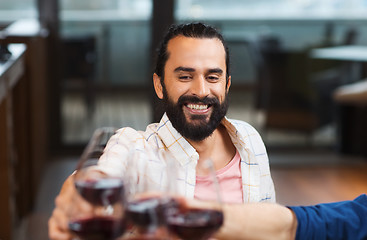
339, 220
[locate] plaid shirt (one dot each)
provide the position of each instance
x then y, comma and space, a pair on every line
163, 137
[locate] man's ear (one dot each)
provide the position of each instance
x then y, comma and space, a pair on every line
158, 85
228, 83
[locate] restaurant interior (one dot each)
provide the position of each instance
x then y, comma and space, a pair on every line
299, 76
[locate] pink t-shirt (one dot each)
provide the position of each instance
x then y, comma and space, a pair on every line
230, 183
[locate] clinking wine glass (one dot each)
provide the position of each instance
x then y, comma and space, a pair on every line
148, 199
198, 222
103, 194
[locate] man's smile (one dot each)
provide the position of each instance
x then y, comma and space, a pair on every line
195, 108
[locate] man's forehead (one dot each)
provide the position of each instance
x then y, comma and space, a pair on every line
188, 51
183, 42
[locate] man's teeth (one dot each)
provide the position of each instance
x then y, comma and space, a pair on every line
197, 106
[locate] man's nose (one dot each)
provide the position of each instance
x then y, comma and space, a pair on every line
200, 87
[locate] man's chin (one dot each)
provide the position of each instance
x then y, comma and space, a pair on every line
197, 121
197, 117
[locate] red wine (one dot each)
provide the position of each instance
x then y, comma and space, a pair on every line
101, 192
195, 224
148, 212
98, 228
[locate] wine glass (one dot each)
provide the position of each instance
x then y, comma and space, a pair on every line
103, 194
202, 221
148, 199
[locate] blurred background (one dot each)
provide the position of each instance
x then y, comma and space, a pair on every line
88, 64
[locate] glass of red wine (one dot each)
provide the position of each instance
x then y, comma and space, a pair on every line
198, 222
148, 198
102, 194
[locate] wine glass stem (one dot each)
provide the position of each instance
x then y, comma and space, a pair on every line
108, 210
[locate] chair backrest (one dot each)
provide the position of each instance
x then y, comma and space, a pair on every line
283, 89
79, 56
269, 60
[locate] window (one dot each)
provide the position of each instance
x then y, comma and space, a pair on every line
245, 9
115, 8
17, 9
112, 40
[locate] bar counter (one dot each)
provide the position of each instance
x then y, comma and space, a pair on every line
12, 104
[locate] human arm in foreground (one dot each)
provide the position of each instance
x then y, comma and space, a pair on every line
251, 220
338, 220
257, 221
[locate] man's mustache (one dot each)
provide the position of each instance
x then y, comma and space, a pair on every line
193, 99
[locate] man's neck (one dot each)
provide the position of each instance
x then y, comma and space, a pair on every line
205, 147
217, 147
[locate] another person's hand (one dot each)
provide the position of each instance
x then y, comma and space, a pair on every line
251, 220
67, 201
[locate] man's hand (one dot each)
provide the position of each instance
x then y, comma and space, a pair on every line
67, 202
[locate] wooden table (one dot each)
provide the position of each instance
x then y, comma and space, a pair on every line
351, 116
343, 53
12, 100
353, 55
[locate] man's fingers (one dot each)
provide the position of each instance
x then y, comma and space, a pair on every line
60, 220
69, 205
55, 232
72, 203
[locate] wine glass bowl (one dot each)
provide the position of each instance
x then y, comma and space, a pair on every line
194, 223
101, 192
146, 213
97, 228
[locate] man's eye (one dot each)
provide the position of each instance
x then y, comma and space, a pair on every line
213, 78
184, 77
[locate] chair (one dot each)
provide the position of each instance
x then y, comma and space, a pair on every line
283, 91
352, 117
79, 66
327, 75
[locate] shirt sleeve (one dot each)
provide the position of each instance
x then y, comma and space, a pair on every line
114, 160
339, 220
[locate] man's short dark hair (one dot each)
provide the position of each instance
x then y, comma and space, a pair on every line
193, 30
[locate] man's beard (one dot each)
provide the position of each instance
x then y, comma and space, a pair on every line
202, 128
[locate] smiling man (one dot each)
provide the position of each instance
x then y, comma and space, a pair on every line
192, 78
195, 78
